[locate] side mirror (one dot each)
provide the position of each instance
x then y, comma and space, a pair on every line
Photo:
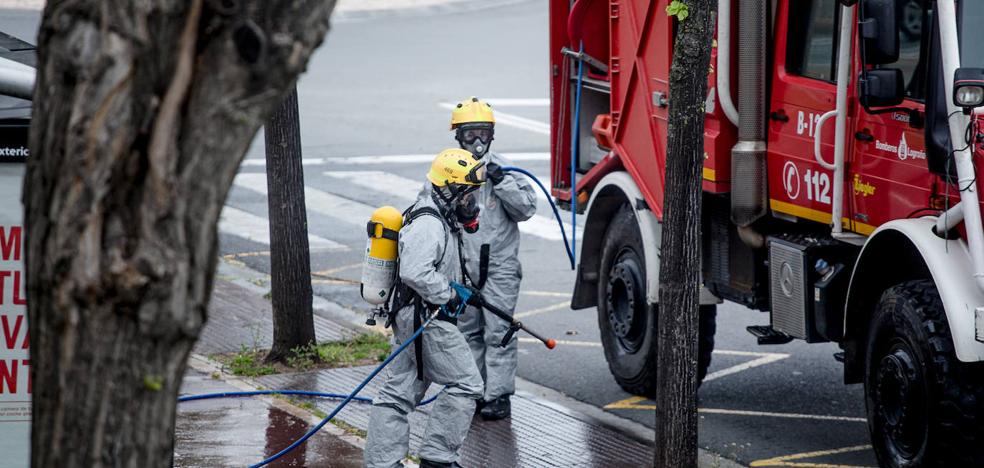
881, 87
968, 88
878, 26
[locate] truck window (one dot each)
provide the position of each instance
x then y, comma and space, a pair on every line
912, 56
811, 41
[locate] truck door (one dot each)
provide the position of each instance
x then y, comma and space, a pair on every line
803, 89
891, 177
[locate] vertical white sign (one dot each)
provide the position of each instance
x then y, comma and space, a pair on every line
15, 364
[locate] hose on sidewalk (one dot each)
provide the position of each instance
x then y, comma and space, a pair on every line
346, 398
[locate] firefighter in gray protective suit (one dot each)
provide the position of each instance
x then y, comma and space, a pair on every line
428, 262
492, 256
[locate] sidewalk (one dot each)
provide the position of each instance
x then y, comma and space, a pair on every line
241, 431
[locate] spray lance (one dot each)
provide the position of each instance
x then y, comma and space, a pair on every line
469, 296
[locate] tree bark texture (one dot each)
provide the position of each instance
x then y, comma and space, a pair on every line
143, 110
679, 274
290, 256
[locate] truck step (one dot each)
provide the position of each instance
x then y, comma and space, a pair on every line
768, 336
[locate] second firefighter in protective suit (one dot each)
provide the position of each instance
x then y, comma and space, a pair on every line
428, 262
492, 256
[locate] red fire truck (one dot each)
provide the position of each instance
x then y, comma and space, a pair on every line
840, 194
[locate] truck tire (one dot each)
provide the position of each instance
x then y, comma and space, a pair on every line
924, 406
627, 323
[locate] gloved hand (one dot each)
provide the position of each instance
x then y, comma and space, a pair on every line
454, 303
471, 295
494, 173
466, 210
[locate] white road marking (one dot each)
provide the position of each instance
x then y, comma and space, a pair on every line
407, 189
512, 120
257, 229
819, 417
546, 293
391, 159
341, 209
543, 310
518, 102
766, 358
762, 358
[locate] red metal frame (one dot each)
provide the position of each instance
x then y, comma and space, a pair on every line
886, 178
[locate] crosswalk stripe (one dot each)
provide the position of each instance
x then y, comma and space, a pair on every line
518, 102
512, 120
407, 189
257, 229
393, 159
342, 209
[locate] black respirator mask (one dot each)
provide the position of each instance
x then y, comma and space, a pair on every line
475, 137
461, 205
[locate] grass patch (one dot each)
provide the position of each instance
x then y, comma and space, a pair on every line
348, 428
364, 349
246, 363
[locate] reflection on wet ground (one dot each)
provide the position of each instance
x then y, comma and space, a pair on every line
538, 434
243, 431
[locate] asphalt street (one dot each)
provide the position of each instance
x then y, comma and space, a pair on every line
374, 111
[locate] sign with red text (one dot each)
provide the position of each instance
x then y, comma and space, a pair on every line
15, 363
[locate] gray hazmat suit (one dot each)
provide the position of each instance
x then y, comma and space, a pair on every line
502, 206
429, 261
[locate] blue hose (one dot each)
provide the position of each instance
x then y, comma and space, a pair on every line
347, 398
575, 136
208, 396
567, 246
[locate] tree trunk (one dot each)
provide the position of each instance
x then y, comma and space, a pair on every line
290, 257
679, 274
142, 113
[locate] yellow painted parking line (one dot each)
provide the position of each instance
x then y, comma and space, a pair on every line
236, 256
332, 271
637, 403
789, 460
543, 310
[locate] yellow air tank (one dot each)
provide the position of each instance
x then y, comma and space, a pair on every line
379, 268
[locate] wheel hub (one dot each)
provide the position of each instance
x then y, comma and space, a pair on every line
626, 306
900, 395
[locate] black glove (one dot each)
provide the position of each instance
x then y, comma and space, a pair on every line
454, 303
494, 173
467, 211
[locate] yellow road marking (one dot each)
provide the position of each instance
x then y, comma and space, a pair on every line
543, 310
788, 460
235, 256
636, 403
332, 271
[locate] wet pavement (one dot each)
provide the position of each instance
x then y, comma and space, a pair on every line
243, 431
538, 434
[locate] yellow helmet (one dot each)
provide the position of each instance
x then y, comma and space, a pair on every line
456, 166
471, 110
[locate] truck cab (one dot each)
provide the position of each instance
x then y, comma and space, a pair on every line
840, 193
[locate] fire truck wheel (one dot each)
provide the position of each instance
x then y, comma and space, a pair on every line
628, 324
924, 406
